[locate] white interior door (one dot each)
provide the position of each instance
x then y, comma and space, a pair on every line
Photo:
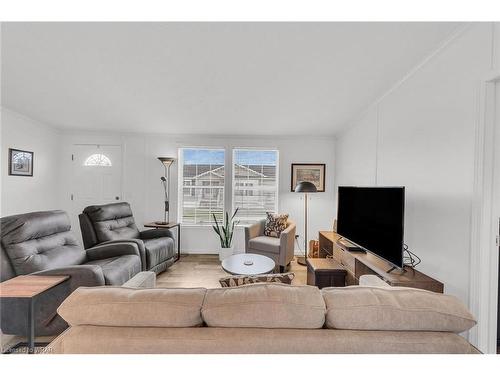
97, 175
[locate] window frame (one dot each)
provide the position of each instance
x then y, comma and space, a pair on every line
233, 180
180, 183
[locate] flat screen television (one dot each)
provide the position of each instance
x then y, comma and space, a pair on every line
372, 218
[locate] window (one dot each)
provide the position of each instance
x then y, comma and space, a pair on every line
97, 160
255, 183
202, 183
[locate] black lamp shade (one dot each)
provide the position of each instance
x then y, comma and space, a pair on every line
306, 187
166, 161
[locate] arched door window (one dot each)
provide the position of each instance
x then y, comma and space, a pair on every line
97, 160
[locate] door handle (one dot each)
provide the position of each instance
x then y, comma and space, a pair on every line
117, 198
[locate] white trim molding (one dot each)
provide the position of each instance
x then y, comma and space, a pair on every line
484, 255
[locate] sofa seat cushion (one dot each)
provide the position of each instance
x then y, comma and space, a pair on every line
130, 307
119, 270
394, 309
158, 250
265, 244
269, 305
93, 339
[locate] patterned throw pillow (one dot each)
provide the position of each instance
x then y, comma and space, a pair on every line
285, 278
275, 224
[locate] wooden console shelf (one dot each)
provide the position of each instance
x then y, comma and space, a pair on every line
358, 264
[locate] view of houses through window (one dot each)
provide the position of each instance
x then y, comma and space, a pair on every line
254, 185
202, 185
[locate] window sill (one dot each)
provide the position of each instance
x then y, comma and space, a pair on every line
209, 225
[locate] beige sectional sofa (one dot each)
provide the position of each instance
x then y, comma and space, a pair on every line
262, 318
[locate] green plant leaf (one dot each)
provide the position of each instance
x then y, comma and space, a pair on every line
225, 230
217, 230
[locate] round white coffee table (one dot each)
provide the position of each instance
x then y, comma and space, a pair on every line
248, 264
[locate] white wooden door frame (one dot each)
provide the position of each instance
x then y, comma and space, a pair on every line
483, 287
122, 169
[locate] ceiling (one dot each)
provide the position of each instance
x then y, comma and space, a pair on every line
207, 78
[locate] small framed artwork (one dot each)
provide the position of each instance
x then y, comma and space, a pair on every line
20, 163
314, 173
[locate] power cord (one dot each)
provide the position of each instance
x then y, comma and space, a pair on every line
410, 259
297, 242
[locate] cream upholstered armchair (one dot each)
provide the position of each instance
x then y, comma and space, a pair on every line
281, 249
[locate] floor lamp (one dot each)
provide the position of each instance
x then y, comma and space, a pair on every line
167, 162
305, 187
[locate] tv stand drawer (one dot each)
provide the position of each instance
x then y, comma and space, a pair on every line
344, 257
325, 246
348, 261
337, 254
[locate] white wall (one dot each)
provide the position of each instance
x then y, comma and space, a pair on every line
142, 171
50, 188
422, 135
40, 192
25, 194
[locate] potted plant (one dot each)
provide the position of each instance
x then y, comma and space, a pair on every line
225, 232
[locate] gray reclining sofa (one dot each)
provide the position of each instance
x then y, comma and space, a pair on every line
41, 243
112, 222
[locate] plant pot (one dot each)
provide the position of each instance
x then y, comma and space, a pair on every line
225, 252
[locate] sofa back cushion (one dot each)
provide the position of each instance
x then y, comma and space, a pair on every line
264, 306
394, 309
38, 241
130, 307
112, 221
6, 270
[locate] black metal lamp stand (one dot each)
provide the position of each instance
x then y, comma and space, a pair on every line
305, 187
167, 162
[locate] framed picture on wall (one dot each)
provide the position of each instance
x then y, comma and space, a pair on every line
20, 163
314, 173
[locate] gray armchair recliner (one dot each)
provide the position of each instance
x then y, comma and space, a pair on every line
281, 249
115, 222
41, 243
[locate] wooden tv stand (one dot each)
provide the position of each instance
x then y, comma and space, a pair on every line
359, 263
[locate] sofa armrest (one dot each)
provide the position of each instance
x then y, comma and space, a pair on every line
373, 280
254, 230
287, 243
145, 279
156, 233
81, 275
113, 249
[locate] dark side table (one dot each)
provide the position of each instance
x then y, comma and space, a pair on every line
325, 272
169, 226
28, 288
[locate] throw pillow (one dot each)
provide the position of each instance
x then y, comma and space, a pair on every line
284, 278
275, 224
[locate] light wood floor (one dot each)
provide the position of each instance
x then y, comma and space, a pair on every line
205, 271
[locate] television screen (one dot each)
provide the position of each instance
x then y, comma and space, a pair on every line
373, 219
